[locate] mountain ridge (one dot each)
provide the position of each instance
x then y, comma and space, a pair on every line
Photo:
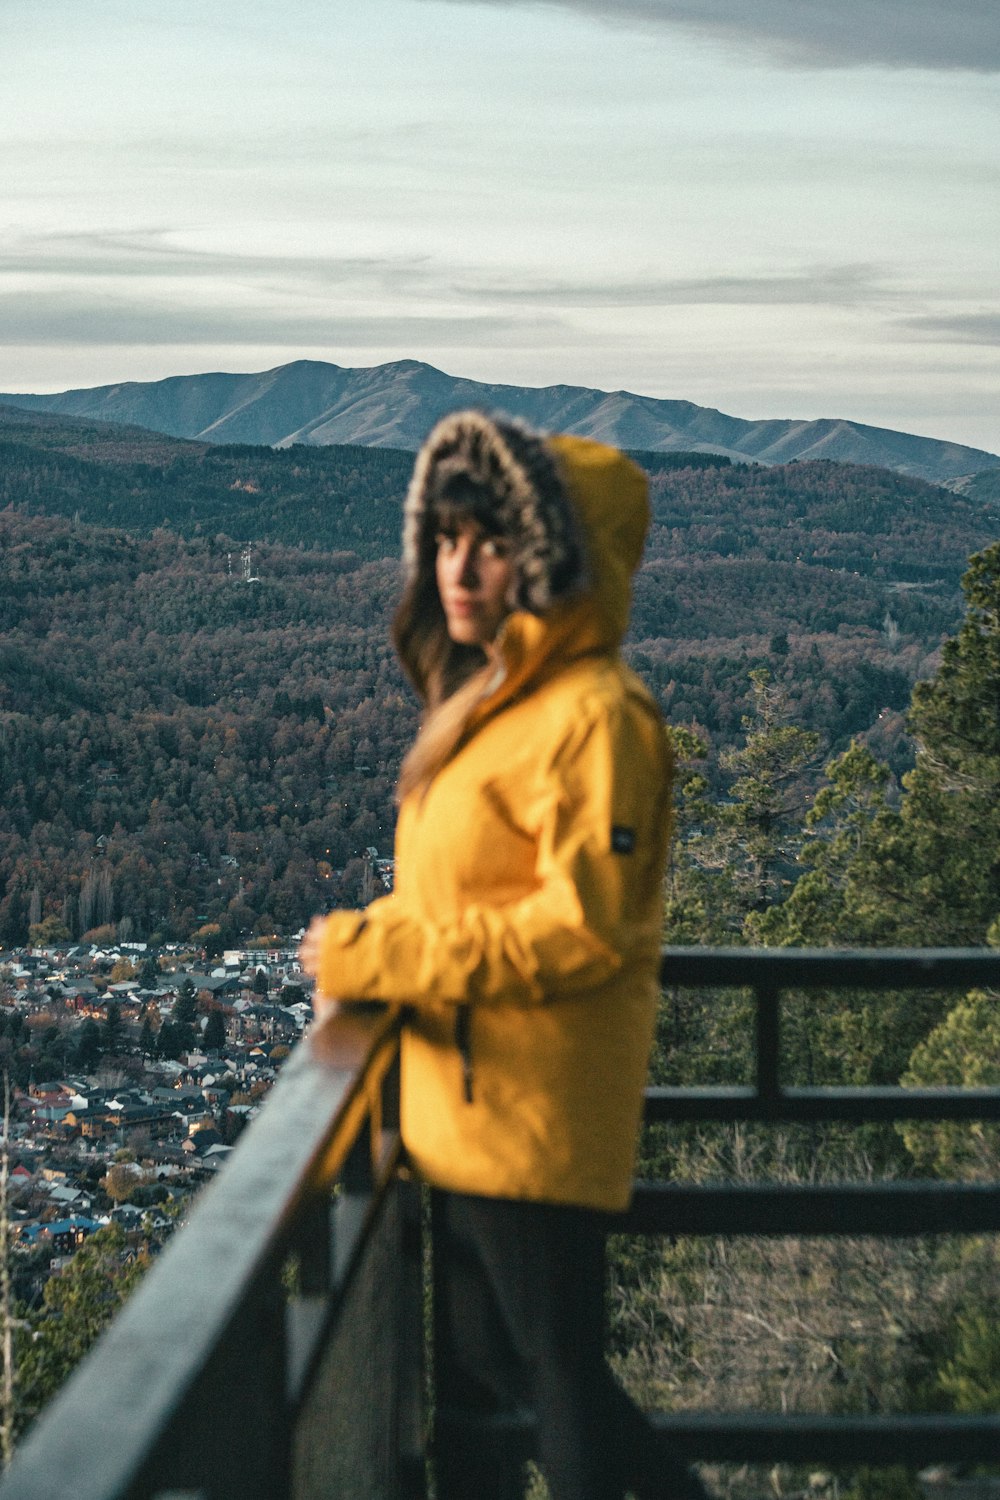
393, 405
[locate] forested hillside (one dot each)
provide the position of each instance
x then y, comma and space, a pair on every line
332, 498
220, 747
226, 747
866, 520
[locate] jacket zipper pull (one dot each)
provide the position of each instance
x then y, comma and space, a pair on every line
463, 1041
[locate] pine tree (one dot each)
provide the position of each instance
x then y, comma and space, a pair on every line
949, 839
731, 860
825, 906
88, 1046
214, 1037
149, 973
964, 1052
147, 1035
113, 1031
170, 1042
929, 874
696, 910
738, 855
183, 1015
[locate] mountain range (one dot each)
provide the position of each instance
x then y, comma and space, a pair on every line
393, 406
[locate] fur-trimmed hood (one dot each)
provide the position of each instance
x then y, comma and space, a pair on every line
532, 509
576, 511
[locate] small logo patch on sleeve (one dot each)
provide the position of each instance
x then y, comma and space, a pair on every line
622, 839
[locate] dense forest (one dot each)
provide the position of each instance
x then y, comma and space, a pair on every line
210, 737
220, 748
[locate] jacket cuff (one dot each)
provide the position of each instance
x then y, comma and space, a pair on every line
340, 930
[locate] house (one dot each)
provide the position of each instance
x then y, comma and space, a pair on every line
66, 1235
118, 1117
216, 1155
69, 1234
127, 1215
68, 1197
195, 1151
49, 1092
272, 1022
81, 996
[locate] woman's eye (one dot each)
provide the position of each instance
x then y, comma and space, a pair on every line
444, 543
493, 547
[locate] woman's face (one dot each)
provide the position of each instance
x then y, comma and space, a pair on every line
474, 574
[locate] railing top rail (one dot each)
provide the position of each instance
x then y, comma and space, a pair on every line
805, 1105
99, 1427
824, 968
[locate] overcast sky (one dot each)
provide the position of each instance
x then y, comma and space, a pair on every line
780, 208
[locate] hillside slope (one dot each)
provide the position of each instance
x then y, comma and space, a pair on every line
233, 743
836, 517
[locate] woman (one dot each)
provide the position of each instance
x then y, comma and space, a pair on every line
524, 928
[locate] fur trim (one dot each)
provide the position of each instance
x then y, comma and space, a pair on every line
532, 506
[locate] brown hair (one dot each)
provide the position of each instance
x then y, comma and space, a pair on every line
504, 478
449, 677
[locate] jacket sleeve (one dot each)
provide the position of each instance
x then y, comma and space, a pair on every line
601, 835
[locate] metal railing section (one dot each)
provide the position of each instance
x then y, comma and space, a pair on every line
725, 1209
897, 1208
276, 1349
207, 1383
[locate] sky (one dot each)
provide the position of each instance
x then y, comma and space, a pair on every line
778, 208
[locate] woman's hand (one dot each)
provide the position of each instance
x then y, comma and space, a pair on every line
309, 948
309, 959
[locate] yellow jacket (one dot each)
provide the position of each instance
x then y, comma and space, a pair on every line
525, 924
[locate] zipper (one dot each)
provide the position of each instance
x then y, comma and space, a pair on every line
463, 1041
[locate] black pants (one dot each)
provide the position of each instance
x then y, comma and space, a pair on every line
519, 1318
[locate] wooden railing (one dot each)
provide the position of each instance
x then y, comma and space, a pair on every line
276, 1349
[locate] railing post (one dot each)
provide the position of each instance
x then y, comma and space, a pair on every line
358, 1429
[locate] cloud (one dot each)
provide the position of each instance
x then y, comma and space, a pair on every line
844, 286
160, 253
936, 34
65, 319
957, 328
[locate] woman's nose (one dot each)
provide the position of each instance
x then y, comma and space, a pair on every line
466, 569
